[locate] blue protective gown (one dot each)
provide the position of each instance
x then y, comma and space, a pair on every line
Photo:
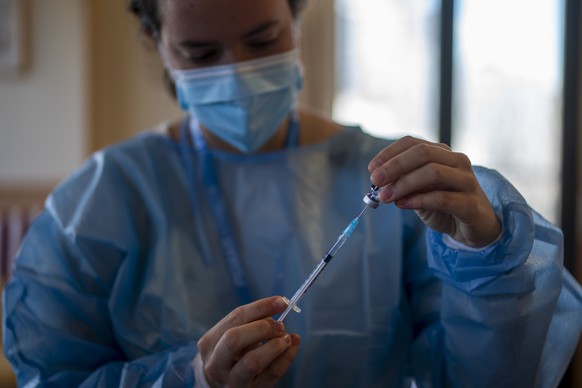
121, 275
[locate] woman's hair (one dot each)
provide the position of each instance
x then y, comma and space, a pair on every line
147, 13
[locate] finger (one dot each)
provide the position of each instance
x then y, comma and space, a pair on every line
259, 309
415, 157
427, 178
476, 224
238, 341
459, 205
397, 148
257, 360
275, 371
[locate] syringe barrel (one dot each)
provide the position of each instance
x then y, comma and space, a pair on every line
343, 237
336, 247
308, 282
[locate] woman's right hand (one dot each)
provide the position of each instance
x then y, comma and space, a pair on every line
247, 347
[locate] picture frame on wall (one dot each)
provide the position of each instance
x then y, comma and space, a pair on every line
12, 35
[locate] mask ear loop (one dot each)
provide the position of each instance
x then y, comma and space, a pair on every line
169, 71
164, 57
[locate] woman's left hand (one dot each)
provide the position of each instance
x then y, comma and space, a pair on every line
439, 185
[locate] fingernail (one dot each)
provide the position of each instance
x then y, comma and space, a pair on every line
279, 327
386, 193
287, 339
378, 177
374, 165
279, 303
403, 203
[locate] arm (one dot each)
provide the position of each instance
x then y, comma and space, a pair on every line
498, 302
500, 292
57, 328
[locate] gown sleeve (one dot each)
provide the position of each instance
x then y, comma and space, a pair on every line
58, 329
510, 314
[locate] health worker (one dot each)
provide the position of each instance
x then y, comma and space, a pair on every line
163, 260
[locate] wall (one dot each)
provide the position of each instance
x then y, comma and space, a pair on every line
42, 108
127, 94
90, 82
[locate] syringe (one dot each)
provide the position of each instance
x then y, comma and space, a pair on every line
371, 200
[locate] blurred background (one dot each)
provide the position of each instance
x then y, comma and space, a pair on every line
497, 80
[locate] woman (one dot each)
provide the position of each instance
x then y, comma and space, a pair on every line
163, 259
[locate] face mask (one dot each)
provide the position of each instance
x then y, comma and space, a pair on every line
243, 103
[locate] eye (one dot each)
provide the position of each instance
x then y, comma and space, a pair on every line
264, 39
204, 57
200, 56
263, 43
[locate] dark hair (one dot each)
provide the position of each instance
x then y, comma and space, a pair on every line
147, 13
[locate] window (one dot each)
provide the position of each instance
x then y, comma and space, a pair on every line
508, 93
387, 66
507, 82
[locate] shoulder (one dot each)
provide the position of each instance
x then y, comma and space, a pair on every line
126, 159
114, 177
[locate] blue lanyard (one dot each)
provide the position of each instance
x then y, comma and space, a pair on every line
216, 199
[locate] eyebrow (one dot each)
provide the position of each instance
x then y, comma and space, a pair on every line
262, 28
194, 44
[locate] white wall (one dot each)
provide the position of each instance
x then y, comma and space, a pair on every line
43, 116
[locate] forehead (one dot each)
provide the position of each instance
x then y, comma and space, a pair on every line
211, 19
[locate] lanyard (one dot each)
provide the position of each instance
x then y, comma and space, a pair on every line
216, 200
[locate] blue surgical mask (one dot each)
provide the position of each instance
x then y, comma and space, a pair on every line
243, 103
